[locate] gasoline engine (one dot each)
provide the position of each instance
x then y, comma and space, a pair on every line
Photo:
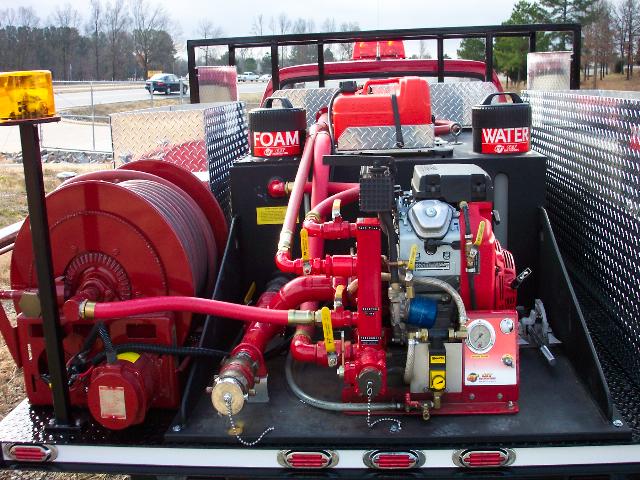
418, 316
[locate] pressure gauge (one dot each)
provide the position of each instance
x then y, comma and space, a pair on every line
481, 336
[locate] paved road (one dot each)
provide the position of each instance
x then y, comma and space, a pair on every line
101, 95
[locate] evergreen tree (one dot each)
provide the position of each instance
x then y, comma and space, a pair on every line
510, 53
568, 11
472, 49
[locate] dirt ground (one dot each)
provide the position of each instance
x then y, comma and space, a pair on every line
13, 207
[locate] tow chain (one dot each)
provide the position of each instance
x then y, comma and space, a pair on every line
371, 424
234, 429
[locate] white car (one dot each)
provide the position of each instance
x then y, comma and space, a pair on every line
265, 77
248, 77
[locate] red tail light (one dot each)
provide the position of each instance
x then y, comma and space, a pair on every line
30, 453
393, 460
312, 460
160, 84
500, 457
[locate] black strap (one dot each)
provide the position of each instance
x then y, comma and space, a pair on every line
396, 119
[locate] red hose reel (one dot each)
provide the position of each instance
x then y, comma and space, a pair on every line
148, 229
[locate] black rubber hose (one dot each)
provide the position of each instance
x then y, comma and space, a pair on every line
392, 239
109, 349
467, 234
329, 121
161, 350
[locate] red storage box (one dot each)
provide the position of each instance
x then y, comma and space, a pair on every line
365, 109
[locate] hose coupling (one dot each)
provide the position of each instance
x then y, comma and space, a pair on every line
302, 317
227, 390
284, 244
288, 188
87, 310
311, 215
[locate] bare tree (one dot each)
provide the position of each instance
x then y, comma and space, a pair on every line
8, 18
147, 21
116, 23
67, 18
206, 29
257, 27
95, 27
627, 19
27, 17
284, 26
346, 49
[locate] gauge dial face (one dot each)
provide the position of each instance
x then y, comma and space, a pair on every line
481, 336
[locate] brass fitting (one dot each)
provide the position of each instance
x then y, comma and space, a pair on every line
437, 400
87, 310
227, 389
311, 215
288, 188
303, 317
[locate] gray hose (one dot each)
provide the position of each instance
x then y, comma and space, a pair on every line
327, 405
411, 351
434, 282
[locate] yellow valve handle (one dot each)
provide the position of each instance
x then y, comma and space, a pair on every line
413, 253
327, 330
480, 234
250, 293
304, 244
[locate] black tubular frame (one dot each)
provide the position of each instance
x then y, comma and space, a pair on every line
488, 33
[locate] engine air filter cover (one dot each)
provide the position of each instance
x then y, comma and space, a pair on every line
451, 183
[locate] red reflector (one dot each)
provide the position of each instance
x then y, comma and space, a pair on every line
319, 459
484, 458
30, 453
307, 460
393, 460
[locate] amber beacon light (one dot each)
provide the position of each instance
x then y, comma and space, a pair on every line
26, 95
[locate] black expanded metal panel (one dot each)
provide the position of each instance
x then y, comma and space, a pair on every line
592, 139
227, 140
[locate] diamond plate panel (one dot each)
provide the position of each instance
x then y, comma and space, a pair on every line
172, 134
384, 138
454, 101
593, 195
227, 140
311, 99
549, 71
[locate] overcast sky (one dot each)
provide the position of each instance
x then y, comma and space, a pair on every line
235, 17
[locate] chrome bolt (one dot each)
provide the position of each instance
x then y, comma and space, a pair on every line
617, 423
431, 212
499, 396
176, 428
510, 404
472, 396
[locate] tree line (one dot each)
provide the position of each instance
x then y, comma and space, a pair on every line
125, 39
120, 39
610, 36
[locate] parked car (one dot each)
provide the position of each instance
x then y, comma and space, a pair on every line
265, 77
248, 77
165, 83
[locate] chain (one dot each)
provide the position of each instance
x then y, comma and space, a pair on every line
227, 400
371, 424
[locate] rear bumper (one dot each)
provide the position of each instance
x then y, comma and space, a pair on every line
542, 461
